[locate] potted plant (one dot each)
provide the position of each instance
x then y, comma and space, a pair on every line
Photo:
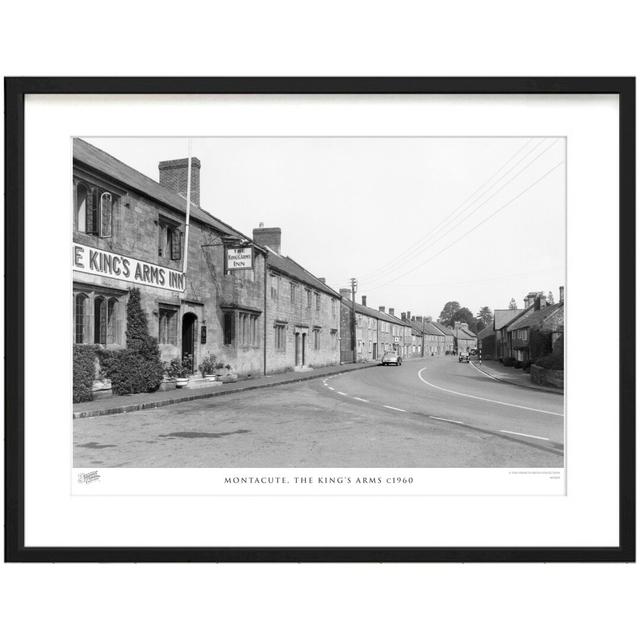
180, 370
208, 367
228, 376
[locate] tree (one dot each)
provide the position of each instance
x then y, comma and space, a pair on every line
464, 315
485, 315
550, 297
447, 312
512, 304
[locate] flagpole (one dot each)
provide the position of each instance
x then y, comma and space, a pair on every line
186, 227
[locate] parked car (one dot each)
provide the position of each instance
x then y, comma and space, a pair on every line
463, 357
391, 357
473, 352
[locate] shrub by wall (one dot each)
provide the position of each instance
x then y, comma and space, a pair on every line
138, 368
508, 361
84, 368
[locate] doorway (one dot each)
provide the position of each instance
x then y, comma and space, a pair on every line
300, 349
189, 333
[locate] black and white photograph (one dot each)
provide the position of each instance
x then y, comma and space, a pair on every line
318, 302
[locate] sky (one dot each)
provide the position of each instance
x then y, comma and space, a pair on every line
417, 221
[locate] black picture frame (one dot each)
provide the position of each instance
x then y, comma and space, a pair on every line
15, 91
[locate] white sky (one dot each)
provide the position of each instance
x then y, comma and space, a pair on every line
386, 210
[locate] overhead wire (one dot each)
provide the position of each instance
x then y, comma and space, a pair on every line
440, 238
467, 202
484, 221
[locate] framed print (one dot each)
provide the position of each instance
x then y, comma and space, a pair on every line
320, 319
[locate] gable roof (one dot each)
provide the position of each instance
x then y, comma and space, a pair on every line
446, 330
466, 333
430, 329
501, 317
88, 155
289, 267
486, 332
535, 317
374, 313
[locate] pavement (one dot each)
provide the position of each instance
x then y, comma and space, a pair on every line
432, 412
510, 375
141, 401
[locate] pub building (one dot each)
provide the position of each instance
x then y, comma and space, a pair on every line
129, 231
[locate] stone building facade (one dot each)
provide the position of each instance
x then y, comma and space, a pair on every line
376, 332
302, 312
129, 231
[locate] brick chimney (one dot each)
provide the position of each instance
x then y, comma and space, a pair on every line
346, 293
268, 237
561, 294
173, 175
392, 311
403, 316
323, 280
419, 319
364, 301
381, 309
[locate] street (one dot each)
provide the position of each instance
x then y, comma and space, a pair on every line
431, 412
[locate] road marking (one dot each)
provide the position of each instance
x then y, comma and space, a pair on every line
361, 399
526, 435
485, 373
446, 420
386, 406
468, 395
342, 393
332, 389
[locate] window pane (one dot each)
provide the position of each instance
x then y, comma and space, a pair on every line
106, 207
81, 301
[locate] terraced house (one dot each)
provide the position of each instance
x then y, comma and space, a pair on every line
302, 312
376, 331
226, 294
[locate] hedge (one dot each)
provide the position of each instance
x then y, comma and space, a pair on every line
84, 358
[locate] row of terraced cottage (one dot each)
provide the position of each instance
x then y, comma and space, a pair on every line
232, 296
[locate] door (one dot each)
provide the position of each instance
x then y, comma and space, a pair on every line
304, 348
297, 360
189, 334
375, 350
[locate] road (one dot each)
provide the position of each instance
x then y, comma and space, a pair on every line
432, 412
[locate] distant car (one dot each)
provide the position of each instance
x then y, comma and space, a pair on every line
473, 352
463, 357
391, 357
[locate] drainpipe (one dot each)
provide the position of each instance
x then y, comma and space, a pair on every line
264, 338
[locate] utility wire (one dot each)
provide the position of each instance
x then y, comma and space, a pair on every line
436, 240
496, 212
464, 204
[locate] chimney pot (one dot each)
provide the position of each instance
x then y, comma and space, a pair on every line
381, 309
364, 301
173, 175
392, 311
268, 237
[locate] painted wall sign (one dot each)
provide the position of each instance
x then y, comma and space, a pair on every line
103, 263
239, 258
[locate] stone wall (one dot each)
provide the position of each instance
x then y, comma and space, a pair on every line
547, 377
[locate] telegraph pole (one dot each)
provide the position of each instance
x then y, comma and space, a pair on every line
354, 288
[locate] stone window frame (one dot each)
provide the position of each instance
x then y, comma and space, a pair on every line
96, 218
169, 238
88, 325
169, 327
280, 336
